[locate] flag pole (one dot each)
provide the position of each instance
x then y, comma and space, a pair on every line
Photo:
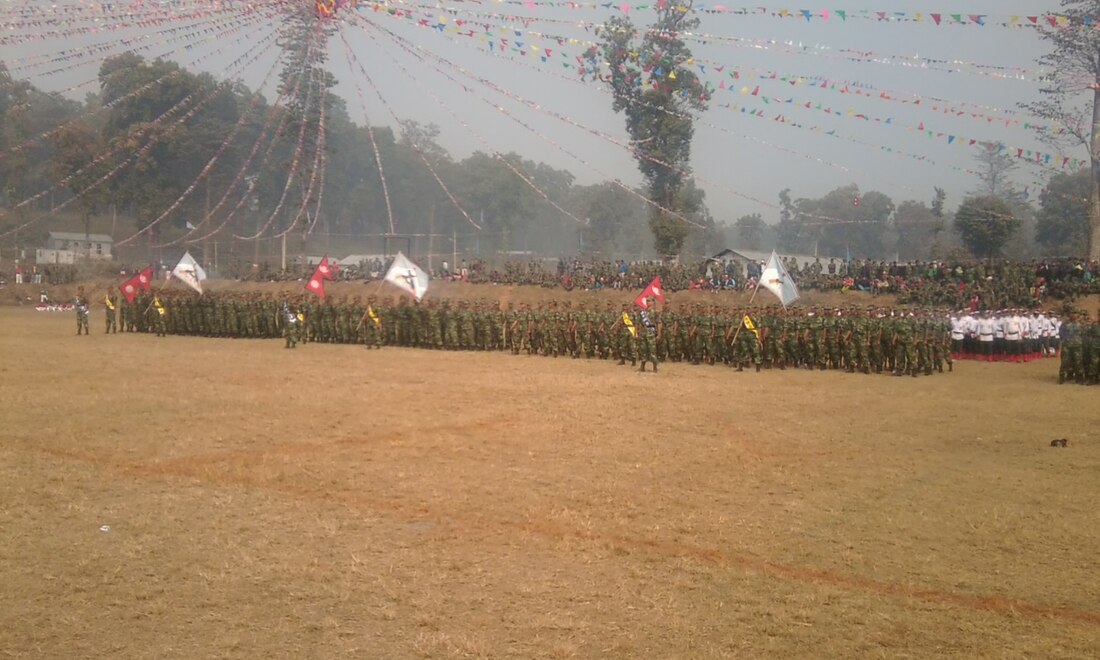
742, 323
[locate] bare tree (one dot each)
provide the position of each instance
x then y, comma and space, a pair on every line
1071, 93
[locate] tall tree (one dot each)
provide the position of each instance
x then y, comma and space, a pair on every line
995, 168
917, 227
653, 81
789, 231
1071, 94
846, 220
75, 146
1063, 218
985, 224
750, 231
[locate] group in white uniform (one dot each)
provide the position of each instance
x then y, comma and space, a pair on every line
1011, 335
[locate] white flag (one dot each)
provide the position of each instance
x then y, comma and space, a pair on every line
189, 272
190, 226
776, 279
406, 275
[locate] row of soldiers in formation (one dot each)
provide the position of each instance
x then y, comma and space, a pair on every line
1080, 348
868, 340
865, 340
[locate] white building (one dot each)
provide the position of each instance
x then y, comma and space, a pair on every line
96, 246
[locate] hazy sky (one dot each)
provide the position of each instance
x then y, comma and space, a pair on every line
736, 155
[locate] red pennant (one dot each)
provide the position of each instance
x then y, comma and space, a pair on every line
145, 278
324, 269
130, 288
654, 290
316, 285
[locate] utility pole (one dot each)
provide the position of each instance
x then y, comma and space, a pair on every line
431, 234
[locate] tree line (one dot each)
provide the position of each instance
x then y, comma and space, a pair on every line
169, 122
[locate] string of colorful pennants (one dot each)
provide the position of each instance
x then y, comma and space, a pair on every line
1053, 20
544, 53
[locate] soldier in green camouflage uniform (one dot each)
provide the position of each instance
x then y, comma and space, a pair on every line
110, 304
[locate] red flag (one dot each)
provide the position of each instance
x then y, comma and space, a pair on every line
316, 283
325, 269
145, 278
654, 290
130, 289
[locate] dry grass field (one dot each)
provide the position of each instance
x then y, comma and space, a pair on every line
193, 498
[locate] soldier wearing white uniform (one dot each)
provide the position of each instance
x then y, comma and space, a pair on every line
958, 333
1013, 336
987, 328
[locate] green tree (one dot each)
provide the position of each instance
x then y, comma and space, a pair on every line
1071, 94
75, 146
651, 76
789, 232
1063, 218
918, 228
845, 219
606, 209
985, 224
750, 231
938, 201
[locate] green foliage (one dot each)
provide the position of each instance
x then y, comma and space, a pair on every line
834, 224
1063, 219
918, 229
985, 224
25, 113
75, 147
609, 211
750, 231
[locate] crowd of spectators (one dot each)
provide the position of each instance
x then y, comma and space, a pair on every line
957, 284
994, 284
960, 284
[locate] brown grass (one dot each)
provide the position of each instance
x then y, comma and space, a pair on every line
332, 501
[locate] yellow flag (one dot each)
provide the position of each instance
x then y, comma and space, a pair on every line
160, 307
629, 325
107, 301
373, 316
750, 326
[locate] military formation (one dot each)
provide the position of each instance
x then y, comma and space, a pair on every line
1080, 347
870, 340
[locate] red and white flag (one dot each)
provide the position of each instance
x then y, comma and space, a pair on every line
326, 269
316, 283
654, 290
145, 278
129, 289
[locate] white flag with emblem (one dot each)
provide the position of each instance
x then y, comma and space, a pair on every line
189, 272
776, 279
406, 275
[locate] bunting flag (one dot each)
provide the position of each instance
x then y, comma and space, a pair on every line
654, 290
407, 276
189, 272
776, 279
629, 324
